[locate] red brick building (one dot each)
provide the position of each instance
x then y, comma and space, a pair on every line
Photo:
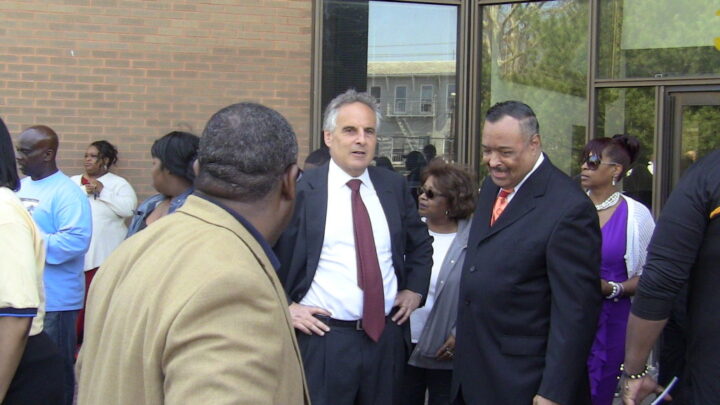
131, 71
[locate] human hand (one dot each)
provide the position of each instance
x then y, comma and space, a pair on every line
447, 350
303, 319
406, 301
605, 288
94, 187
634, 391
539, 400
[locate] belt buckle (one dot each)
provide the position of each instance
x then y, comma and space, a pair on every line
358, 324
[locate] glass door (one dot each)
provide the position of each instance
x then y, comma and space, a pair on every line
692, 121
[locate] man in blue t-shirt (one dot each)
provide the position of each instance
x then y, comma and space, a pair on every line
62, 212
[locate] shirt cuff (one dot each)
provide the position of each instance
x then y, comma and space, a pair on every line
18, 312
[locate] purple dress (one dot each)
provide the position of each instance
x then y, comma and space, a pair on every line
608, 349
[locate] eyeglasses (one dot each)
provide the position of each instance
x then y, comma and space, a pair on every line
594, 161
428, 193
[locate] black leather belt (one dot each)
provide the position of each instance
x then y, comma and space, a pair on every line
357, 325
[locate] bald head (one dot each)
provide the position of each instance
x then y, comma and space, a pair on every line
36, 151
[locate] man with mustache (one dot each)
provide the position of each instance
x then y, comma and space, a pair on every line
356, 262
530, 287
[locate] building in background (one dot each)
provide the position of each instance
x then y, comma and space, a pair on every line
129, 71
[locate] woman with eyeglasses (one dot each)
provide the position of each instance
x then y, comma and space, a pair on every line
446, 201
627, 226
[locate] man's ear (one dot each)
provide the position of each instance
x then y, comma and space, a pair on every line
327, 136
535, 141
49, 155
289, 181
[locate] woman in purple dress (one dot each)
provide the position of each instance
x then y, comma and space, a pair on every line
627, 226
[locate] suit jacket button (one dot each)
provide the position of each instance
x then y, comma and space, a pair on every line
467, 302
471, 269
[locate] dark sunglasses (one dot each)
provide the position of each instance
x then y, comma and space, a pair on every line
428, 193
594, 161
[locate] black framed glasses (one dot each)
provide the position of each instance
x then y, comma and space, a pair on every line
594, 161
428, 193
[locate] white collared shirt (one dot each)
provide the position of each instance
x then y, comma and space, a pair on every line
335, 286
538, 162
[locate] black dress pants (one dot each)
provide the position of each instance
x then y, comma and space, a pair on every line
418, 380
345, 367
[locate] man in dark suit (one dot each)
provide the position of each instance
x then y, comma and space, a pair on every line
530, 289
356, 262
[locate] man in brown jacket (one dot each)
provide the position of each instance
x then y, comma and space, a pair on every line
190, 310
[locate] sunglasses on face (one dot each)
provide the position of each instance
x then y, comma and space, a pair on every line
594, 161
428, 193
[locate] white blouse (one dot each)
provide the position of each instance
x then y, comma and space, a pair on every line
116, 201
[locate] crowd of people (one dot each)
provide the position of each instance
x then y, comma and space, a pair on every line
347, 284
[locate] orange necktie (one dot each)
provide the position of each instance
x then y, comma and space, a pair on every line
500, 203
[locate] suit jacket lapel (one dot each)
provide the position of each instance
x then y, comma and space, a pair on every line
387, 199
522, 203
315, 214
481, 219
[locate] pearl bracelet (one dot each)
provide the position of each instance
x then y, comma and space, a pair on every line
617, 290
633, 376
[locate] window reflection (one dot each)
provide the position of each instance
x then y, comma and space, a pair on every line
536, 52
657, 39
631, 111
411, 61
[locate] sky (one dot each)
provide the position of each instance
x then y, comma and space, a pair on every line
412, 32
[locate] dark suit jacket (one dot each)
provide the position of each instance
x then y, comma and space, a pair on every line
529, 295
299, 247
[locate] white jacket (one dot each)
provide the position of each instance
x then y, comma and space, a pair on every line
640, 227
116, 201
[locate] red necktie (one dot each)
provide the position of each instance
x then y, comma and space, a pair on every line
369, 276
500, 203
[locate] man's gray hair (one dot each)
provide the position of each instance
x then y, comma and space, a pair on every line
349, 97
244, 151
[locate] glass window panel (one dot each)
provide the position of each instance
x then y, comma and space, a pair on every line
631, 111
376, 92
411, 55
451, 96
699, 124
426, 99
400, 100
536, 52
658, 38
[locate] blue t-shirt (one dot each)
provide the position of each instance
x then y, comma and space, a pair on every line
62, 212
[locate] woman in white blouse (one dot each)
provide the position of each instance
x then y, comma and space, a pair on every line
112, 200
446, 201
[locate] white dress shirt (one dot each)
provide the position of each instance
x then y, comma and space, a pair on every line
335, 286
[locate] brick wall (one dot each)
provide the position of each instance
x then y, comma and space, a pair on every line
131, 71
